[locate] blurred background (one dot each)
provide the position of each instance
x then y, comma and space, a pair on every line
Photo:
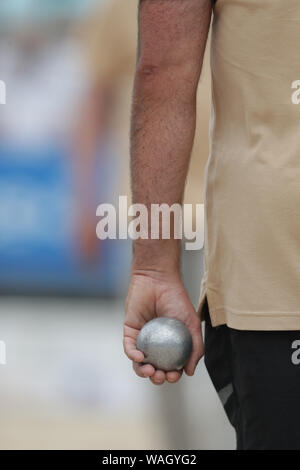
68, 67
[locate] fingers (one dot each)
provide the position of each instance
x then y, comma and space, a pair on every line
157, 377
160, 377
197, 353
174, 376
129, 344
143, 370
193, 361
131, 351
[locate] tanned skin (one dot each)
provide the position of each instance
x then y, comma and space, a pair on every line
172, 40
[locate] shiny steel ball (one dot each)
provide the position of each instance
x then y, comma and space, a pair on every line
166, 343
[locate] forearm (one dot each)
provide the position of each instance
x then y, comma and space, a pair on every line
163, 127
172, 43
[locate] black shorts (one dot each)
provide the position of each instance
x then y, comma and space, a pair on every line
257, 377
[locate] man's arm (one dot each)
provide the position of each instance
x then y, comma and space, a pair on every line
172, 39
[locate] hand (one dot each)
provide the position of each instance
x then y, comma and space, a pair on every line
154, 295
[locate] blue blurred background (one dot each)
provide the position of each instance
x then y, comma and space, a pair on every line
49, 76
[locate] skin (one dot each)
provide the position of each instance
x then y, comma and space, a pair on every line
171, 45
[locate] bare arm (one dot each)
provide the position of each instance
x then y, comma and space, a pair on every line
172, 40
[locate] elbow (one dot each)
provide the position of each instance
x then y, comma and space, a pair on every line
167, 76
147, 71
151, 80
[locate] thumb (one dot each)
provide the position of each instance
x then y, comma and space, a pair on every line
198, 348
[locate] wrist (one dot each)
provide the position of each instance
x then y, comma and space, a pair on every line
158, 256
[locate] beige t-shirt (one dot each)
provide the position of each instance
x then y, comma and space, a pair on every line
252, 236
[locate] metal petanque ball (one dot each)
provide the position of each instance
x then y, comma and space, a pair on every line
166, 343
